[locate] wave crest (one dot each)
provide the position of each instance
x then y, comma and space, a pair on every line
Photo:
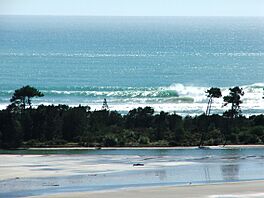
176, 97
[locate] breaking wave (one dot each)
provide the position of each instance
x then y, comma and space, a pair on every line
176, 97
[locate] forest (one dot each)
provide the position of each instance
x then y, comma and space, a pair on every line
21, 125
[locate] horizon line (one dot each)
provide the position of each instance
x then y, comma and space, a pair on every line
66, 15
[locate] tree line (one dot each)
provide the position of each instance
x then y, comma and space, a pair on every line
55, 125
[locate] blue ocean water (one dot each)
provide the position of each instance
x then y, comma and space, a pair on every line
164, 62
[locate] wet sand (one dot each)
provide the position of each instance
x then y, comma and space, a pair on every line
252, 189
40, 174
237, 146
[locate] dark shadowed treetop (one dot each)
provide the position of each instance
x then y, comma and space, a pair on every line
22, 96
213, 92
105, 105
234, 99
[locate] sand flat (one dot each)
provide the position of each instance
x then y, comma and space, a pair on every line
251, 189
42, 173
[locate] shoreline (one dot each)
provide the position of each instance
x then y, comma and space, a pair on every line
231, 146
241, 189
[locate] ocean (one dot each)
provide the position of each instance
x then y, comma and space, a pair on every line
164, 62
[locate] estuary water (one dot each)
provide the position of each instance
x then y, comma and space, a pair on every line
163, 62
45, 171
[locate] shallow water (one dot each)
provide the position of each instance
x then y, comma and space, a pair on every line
53, 171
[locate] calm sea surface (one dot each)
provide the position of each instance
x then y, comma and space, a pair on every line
164, 62
91, 170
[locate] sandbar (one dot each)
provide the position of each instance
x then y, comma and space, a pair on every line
250, 189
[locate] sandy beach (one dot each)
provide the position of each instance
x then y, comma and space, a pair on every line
228, 190
165, 172
238, 146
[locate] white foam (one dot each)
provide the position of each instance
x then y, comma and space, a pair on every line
252, 195
192, 100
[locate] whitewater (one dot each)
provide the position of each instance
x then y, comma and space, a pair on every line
176, 98
164, 62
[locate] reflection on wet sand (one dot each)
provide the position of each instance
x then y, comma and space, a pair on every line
22, 175
230, 172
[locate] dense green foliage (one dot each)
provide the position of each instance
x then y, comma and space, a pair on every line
58, 125
64, 125
234, 98
22, 97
